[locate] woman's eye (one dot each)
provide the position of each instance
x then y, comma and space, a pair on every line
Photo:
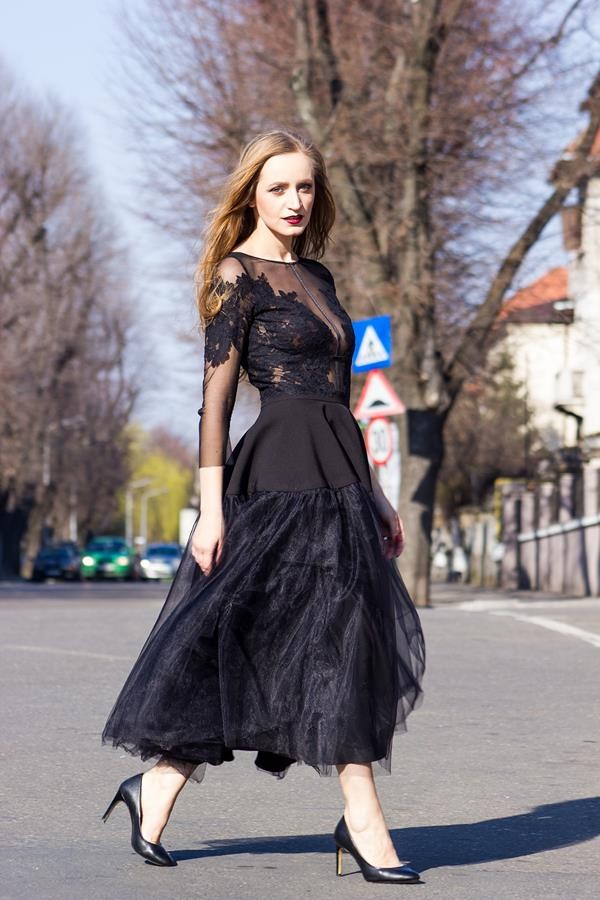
303, 187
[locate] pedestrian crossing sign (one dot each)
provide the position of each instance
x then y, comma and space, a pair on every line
373, 346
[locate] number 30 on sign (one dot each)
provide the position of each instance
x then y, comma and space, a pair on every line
379, 440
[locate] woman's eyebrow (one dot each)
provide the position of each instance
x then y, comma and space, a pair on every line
286, 183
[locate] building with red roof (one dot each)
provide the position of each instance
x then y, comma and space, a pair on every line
544, 301
551, 328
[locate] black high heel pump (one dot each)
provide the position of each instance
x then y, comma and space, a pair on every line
130, 792
399, 874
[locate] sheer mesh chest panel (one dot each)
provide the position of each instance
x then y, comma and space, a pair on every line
283, 324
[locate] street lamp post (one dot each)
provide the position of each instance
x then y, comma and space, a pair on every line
46, 454
148, 495
131, 487
70, 422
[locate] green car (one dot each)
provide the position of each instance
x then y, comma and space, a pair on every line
107, 557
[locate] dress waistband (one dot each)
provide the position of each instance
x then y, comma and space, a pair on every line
321, 397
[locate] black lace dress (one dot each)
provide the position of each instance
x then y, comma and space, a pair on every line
302, 643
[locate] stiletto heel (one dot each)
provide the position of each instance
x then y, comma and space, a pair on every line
130, 792
399, 874
116, 799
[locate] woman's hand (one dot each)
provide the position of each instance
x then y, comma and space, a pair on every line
393, 530
207, 540
391, 523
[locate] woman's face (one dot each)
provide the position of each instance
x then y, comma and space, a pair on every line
285, 194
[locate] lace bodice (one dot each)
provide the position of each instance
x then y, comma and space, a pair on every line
285, 326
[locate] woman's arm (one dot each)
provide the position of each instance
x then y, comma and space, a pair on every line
211, 490
224, 342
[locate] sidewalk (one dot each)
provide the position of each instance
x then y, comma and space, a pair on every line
443, 593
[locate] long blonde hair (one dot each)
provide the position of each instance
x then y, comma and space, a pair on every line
232, 221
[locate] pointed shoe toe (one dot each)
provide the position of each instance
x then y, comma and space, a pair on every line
398, 874
130, 793
155, 854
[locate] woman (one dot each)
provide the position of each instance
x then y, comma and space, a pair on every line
287, 629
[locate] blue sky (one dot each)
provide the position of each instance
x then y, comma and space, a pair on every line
64, 47
68, 48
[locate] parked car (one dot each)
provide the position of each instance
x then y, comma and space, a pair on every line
160, 561
108, 557
59, 560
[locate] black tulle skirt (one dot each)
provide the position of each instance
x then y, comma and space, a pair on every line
303, 643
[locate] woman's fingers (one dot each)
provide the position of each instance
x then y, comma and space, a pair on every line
394, 539
204, 556
206, 563
389, 546
400, 538
399, 544
207, 544
219, 552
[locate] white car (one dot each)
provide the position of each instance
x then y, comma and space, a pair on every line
160, 561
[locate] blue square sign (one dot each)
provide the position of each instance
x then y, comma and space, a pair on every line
373, 348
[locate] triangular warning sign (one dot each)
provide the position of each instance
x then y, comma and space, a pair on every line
378, 398
371, 350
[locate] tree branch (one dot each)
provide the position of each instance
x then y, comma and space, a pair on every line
326, 54
551, 41
567, 174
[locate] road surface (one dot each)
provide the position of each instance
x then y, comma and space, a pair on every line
494, 792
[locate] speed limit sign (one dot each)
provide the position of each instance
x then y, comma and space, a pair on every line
379, 440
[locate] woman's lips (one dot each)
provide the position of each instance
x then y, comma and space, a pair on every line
293, 220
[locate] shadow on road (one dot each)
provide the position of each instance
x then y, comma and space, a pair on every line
546, 827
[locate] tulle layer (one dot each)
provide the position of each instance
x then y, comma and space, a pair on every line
303, 644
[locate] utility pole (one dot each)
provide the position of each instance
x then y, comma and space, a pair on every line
46, 447
148, 495
131, 487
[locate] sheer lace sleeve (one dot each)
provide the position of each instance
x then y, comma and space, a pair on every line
225, 340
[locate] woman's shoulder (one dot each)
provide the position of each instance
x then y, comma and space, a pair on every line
318, 268
230, 267
232, 284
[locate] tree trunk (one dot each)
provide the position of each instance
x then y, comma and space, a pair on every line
13, 521
421, 446
32, 540
40, 523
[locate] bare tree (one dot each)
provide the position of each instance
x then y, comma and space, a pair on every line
63, 328
426, 113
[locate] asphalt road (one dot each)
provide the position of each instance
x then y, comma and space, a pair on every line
494, 792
